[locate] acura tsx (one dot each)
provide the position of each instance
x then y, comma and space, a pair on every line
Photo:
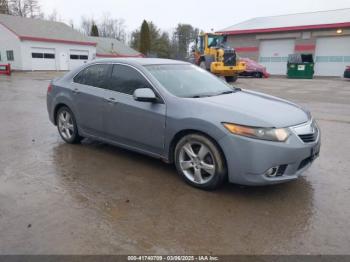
184, 115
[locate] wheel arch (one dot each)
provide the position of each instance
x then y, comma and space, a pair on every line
57, 107
180, 134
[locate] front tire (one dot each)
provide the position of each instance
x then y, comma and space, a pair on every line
67, 126
231, 79
200, 163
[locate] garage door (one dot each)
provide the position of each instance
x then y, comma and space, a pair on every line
43, 58
274, 55
77, 58
332, 55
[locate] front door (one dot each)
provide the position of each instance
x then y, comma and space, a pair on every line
140, 125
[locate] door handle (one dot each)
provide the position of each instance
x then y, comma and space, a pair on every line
111, 100
76, 91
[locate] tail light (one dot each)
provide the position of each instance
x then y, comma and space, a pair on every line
49, 88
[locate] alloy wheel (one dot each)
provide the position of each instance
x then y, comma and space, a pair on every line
65, 125
197, 162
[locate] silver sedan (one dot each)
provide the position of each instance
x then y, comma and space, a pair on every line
182, 114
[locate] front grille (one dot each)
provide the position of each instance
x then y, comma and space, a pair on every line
229, 58
308, 138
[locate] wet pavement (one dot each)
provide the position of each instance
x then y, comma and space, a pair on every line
98, 199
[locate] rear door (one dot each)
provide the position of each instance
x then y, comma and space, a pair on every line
136, 124
89, 92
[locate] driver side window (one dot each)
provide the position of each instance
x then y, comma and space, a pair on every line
125, 79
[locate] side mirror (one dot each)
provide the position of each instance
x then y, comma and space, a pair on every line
145, 95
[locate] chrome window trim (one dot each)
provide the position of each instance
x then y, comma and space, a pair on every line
124, 64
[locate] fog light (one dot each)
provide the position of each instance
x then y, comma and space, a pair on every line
272, 172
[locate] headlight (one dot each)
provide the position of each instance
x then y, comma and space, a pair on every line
272, 134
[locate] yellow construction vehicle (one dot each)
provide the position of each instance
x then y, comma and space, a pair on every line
212, 53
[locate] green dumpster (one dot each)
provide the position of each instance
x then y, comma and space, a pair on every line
300, 66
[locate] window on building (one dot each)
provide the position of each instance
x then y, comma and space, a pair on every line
79, 57
49, 56
10, 56
126, 79
37, 55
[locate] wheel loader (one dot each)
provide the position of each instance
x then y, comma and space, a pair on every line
212, 53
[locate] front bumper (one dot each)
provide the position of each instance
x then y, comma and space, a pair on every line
249, 159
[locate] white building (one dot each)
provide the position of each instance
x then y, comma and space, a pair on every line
35, 44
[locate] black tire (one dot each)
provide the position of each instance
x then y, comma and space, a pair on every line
220, 174
231, 79
75, 137
258, 75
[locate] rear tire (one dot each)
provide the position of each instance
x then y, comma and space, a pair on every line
231, 79
67, 126
200, 162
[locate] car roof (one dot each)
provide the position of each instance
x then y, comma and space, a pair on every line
142, 61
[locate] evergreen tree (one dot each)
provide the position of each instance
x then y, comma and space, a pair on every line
94, 30
145, 39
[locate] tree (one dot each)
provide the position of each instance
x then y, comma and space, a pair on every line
183, 35
113, 28
33, 8
159, 41
145, 38
94, 30
54, 16
161, 46
86, 24
4, 7
25, 8
135, 39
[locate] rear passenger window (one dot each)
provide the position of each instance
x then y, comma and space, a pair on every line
95, 75
126, 79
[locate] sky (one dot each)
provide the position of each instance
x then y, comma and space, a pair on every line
204, 14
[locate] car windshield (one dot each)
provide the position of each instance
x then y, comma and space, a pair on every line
188, 80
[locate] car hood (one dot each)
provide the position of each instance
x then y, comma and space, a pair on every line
256, 109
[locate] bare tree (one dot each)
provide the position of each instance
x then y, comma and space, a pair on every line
71, 23
18, 8
33, 8
85, 25
25, 8
54, 16
112, 27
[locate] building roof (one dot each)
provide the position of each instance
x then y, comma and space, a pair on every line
43, 30
110, 47
301, 21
